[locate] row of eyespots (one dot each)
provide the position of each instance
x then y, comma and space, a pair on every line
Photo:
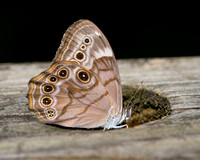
47, 101
80, 55
82, 75
49, 88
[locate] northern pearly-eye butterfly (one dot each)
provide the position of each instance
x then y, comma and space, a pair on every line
82, 87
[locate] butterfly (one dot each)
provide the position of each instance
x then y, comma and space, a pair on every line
82, 87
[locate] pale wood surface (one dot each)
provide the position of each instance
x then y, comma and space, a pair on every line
177, 136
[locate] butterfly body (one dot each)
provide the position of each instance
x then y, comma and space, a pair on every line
82, 87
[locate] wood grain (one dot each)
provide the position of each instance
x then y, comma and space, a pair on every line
23, 136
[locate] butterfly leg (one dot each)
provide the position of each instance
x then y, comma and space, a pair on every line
115, 127
122, 126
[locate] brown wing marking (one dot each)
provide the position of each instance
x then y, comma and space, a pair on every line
95, 101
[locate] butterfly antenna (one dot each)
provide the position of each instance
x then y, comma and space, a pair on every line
130, 101
128, 109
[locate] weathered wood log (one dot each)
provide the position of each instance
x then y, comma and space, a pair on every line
23, 136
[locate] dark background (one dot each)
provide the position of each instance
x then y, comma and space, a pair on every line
32, 32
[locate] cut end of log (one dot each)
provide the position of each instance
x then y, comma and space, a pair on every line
146, 105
